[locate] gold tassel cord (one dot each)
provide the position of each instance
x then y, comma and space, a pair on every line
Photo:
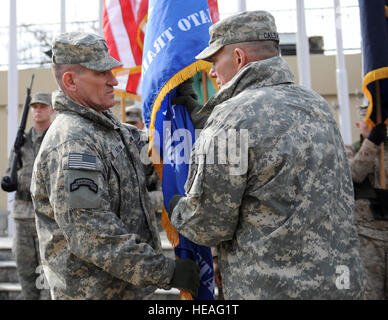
139, 30
369, 78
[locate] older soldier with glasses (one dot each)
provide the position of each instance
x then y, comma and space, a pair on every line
98, 237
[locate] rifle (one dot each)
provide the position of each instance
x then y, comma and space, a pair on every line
9, 183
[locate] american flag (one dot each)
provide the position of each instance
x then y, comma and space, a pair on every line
123, 26
124, 23
82, 161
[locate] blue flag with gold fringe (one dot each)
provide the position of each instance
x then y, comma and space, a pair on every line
177, 30
374, 31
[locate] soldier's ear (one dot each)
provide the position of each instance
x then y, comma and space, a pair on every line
68, 80
240, 58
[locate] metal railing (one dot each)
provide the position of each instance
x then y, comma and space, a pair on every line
34, 39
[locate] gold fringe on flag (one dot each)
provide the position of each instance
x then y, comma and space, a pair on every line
370, 77
176, 80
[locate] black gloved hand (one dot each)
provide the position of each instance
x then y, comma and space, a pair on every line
186, 89
379, 206
7, 185
186, 276
378, 134
19, 142
382, 196
186, 96
172, 204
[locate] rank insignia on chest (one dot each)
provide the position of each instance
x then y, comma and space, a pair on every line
85, 182
82, 161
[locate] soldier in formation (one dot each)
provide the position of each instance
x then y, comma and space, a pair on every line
371, 211
26, 246
134, 116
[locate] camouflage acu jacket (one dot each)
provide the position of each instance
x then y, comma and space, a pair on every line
22, 208
364, 164
98, 237
269, 184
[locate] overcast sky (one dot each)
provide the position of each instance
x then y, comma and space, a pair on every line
319, 17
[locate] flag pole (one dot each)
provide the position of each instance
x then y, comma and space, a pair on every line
342, 79
302, 46
63, 16
381, 151
204, 86
123, 115
13, 102
101, 17
241, 6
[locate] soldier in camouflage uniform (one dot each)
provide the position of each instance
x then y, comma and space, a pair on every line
26, 247
134, 116
280, 214
154, 185
371, 226
98, 238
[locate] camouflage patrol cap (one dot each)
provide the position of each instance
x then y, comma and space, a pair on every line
133, 113
87, 49
41, 97
242, 27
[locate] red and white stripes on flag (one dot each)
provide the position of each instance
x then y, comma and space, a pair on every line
123, 26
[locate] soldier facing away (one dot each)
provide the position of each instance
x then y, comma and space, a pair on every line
26, 246
98, 237
281, 213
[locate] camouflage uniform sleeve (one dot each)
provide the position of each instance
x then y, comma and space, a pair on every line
209, 214
362, 162
94, 233
141, 141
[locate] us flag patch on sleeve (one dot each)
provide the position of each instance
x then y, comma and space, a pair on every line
82, 161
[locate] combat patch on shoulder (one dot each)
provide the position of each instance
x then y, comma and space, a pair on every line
86, 182
84, 187
82, 161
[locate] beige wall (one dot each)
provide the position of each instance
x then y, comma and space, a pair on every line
323, 80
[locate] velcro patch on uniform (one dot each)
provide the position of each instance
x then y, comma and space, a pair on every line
82, 161
117, 149
86, 182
